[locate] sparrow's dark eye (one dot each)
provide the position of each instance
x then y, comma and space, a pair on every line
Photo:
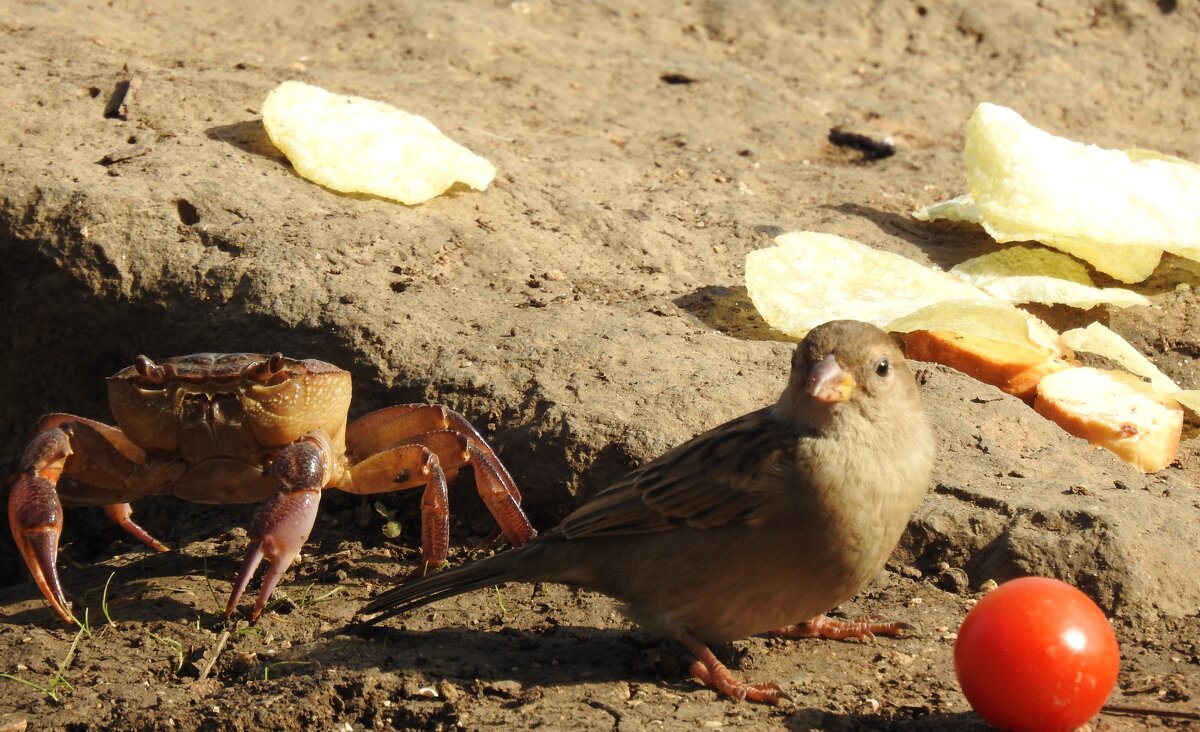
883, 367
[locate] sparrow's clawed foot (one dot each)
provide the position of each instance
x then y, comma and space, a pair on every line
708, 670
824, 626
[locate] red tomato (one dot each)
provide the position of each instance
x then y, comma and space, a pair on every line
1036, 654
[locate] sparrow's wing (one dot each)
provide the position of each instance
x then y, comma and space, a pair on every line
709, 481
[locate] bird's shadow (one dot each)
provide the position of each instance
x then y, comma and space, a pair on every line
565, 656
915, 718
558, 655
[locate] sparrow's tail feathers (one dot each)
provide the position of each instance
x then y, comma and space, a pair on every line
415, 593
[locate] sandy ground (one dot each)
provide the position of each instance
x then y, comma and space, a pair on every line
587, 312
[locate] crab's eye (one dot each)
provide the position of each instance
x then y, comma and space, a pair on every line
264, 371
883, 367
153, 375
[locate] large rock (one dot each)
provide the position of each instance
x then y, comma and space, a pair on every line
558, 309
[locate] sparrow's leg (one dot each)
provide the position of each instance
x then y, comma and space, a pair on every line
713, 674
824, 626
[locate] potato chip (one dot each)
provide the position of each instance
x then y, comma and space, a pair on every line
808, 278
1189, 398
357, 145
1116, 210
1033, 274
1022, 261
1098, 339
959, 208
1128, 264
985, 318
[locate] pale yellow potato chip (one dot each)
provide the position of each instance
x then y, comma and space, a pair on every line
1098, 339
1022, 261
807, 278
987, 318
1189, 398
1031, 185
1128, 264
356, 145
959, 208
1137, 154
1102, 341
1032, 274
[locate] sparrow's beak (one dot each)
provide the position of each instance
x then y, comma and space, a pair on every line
828, 382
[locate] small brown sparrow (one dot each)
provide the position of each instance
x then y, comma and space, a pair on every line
773, 518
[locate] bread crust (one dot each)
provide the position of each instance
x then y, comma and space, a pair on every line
1013, 368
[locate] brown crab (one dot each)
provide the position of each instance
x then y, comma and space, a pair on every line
235, 428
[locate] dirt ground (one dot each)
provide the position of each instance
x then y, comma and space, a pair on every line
587, 312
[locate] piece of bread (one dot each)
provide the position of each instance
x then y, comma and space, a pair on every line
1115, 410
1013, 368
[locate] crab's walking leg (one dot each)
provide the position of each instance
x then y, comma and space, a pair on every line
456, 443
104, 457
500, 495
409, 466
282, 524
122, 515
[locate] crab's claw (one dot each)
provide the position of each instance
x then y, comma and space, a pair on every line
35, 513
282, 524
280, 528
35, 517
